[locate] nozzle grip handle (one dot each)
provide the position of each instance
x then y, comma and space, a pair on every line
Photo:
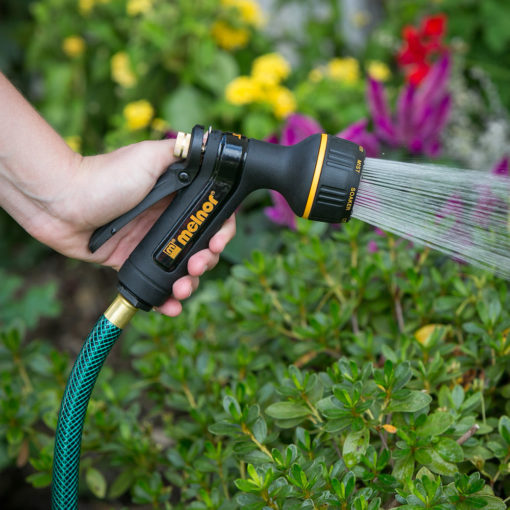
187, 225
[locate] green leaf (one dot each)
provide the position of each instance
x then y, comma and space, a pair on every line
260, 430
121, 484
504, 428
287, 410
223, 69
449, 450
412, 402
96, 482
433, 461
404, 468
355, 446
435, 424
39, 480
185, 108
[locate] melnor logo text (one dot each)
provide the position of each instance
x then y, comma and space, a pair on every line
174, 247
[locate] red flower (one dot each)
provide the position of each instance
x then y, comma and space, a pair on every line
434, 26
420, 45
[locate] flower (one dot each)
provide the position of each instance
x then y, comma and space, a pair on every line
135, 7
228, 37
270, 69
358, 133
74, 142
121, 71
243, 90
422, 112
502, 168
420, 45
159, 125
345, 70
85, 6
249, 11
138, 114
372, 246
378, 70
282, 100
280, 213
316, 75
73, 46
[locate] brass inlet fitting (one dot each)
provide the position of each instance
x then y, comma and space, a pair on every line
182, 144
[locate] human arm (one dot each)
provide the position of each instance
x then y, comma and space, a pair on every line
60, 197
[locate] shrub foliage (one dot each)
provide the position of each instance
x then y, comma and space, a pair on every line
319, 378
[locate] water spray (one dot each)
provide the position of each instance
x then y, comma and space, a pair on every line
323, 178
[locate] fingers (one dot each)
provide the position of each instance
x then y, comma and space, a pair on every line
223, 236
197, 265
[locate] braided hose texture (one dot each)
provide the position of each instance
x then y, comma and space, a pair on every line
66, 460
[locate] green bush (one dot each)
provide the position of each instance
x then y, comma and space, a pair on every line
319, 378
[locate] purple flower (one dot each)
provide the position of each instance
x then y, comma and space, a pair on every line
421, 113
170, 135
358, 133
280, 213
372, 247
502, 168
297, 128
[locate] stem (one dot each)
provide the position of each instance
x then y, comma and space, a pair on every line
276, 302
312, 408
24, 375
470, 433
260, 446
398, 312
189, 395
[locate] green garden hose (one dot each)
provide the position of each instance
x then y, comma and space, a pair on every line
66, 459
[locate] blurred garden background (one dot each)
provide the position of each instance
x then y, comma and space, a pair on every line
316, 367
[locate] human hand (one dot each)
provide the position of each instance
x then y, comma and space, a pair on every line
98, 189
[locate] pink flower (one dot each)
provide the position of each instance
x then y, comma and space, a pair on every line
422, 111
502, 168
372, 247
280, 213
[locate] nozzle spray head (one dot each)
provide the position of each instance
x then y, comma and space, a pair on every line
319, 177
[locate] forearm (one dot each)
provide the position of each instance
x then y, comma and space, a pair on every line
35, 162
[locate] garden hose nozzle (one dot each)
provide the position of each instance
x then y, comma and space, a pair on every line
319, 177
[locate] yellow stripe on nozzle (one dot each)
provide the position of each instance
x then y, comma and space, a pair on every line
316, 175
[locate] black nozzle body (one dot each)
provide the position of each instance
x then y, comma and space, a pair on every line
319, 177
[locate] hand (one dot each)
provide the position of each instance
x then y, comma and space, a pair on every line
100, 188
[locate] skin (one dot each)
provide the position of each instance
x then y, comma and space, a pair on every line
60, 197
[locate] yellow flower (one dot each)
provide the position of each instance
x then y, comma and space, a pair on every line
391, 429
270, 69
135, 7
424, 334
159, 125
249, 11
85, 6
282, 100
229, 38
138, 114
74, 142
243, 90
121, 71
73, 46
378, 70
344, 69
316, 75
